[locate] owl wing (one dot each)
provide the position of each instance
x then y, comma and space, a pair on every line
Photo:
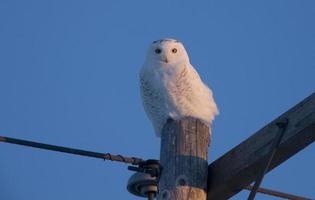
193, 97
153, 103
205, 96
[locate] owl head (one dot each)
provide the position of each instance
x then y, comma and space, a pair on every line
167, 51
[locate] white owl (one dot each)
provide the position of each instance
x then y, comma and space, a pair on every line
172, 88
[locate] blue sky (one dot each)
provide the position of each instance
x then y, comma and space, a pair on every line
69, 76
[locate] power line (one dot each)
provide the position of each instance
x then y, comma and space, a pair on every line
281, 130
277, 193
105, 156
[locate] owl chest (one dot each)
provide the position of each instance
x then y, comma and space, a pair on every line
175, 88
166, 81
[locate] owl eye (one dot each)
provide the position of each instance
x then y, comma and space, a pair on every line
174, 50
157, 51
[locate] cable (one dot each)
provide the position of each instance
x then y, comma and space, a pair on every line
105, 156
273, 149
277, 193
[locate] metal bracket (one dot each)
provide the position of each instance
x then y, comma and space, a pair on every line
151, 167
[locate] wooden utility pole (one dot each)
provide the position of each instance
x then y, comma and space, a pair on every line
183, 158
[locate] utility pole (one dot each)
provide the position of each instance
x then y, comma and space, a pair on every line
184, 160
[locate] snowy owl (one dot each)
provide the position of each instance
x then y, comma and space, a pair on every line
171, 87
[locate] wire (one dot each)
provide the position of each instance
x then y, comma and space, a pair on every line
275, 145
277, 193
105, 156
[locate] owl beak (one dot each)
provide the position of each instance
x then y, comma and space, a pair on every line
165, 59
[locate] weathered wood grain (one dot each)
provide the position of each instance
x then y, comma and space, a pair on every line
240, 166
184, 155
